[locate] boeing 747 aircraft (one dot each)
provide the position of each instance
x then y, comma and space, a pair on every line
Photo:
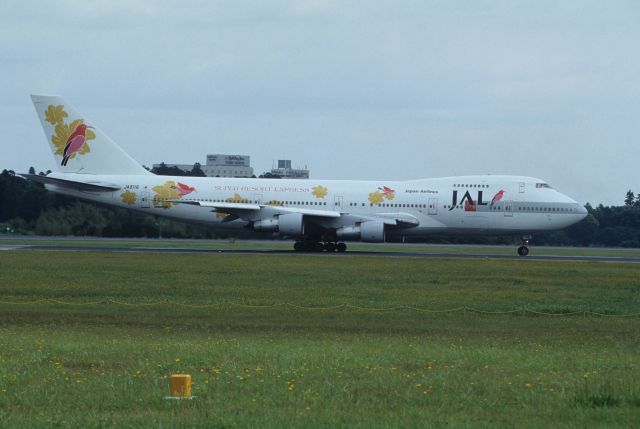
317, 214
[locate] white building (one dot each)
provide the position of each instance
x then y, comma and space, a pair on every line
285, 171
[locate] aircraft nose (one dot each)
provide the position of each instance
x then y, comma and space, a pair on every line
582, 210
579, 208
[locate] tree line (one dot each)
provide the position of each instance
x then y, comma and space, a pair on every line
163, 169
27, 207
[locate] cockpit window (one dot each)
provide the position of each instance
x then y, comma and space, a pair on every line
542, 185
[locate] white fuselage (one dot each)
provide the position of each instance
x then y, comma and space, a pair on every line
453, 205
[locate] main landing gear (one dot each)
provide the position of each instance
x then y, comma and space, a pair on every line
524, 249
311, 246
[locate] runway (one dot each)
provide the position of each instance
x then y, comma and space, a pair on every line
380, 254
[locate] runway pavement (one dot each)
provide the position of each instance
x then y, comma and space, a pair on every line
409, 254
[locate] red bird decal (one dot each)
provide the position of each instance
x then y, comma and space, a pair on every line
185, 189
497, 197
387, 191
74, 143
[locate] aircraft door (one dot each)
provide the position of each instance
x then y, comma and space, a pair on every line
337, 203
145, 201
508, 209
256, 198
433, 206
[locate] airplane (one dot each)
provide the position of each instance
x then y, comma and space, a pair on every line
320, 215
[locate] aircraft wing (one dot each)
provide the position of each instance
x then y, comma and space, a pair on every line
401, 220
245, 210
253, 212
72, 184
219, 206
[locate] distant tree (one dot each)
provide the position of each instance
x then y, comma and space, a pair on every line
20, 198
32, 170
582, 233
637, 203
164, 170
629, 199
196, 171
268, 175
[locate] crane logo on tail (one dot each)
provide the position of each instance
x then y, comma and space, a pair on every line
70, 139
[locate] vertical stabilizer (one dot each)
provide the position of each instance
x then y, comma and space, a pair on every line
77, 145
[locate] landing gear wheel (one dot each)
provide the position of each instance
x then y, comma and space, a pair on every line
523, 250
342, 247
298, 246
330, 247
316, 247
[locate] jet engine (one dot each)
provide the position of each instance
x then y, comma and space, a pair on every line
370, 232
287, 224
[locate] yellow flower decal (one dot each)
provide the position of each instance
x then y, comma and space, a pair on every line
381, 194
128, 197
319, 191
168, 191
55, 115
376, 197
237, 198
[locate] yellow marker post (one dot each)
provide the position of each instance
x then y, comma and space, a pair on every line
180, 387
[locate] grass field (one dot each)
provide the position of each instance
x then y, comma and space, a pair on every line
88, 363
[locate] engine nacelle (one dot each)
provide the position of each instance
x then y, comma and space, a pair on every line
370, 232
266, 225
287, 224
291, 224
348, 233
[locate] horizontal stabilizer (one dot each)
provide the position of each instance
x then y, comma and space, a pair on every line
72, 184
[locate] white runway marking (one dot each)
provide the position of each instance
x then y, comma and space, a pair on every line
11, 246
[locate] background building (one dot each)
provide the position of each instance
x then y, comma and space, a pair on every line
285, 171
220, 165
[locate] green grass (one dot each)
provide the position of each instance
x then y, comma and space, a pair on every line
107, 365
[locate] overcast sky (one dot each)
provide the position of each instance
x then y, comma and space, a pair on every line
352, 89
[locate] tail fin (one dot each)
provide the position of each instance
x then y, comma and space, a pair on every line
77, 145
